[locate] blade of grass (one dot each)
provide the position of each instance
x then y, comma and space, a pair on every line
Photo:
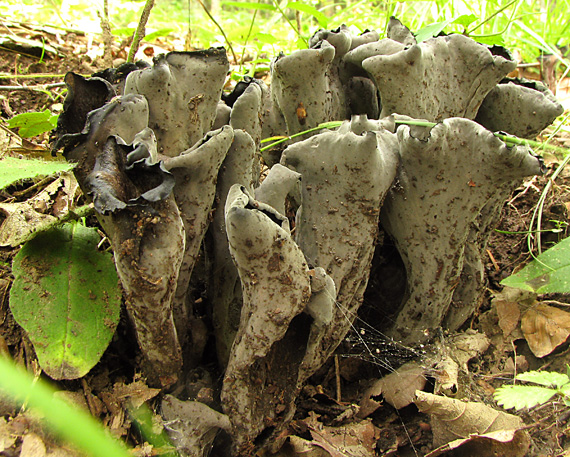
324, 125
207, 11
544, 46
487, 19
74, 425
298, 32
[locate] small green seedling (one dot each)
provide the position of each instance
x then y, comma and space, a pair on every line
33, 124
550, 384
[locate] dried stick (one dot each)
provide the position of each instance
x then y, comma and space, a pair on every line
140, 32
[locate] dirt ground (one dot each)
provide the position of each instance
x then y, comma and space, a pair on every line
361, 360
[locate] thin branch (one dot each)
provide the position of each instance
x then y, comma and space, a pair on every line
40, 87
30, 76
207, 11
140, 32
107, 36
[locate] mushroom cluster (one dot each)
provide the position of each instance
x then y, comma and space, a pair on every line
281, 264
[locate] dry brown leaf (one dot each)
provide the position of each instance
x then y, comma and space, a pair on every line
508, 305
509, 315
137, 393
446, 377
463, 347
23, 219
452, 419
503, 443
7, 437
33, 446
545, 328
355, 439
397, 388
301, 447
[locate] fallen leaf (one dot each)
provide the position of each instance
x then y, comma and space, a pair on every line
33, 446
355, 439
7, 437
467, 345
452, 419
21, 222
397, 388
509, 315
545, 328
503, 443
136, 393
191, 425
446, 377
24, 219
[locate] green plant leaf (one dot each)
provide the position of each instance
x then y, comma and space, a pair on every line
465, 19
13, 170
490, 40
123, 31
32, 124
250, 5
311, 10
159, 33
520, 397
544, 378
66, 296
432, 30
549, 272
266, 38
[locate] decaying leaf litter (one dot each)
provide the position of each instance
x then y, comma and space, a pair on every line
497, 361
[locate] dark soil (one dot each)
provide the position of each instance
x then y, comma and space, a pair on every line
365, 354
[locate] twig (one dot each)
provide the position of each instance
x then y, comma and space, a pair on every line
106, 35
33, 26
207, 11
40, 87
298, 32
337, 379
140, 32
30, 76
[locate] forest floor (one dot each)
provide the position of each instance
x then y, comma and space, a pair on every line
365, 356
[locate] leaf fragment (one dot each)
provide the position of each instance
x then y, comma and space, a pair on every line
549, 272
13, 170
33, 124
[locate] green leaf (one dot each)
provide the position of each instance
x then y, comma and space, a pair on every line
465, 19
250, 5
159, 33
266, 38
13, 170
520, 397
66, 296
432, 30
490, 40
32, 124
549, 272
311, 10
123, 31
544, 378
564, 390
